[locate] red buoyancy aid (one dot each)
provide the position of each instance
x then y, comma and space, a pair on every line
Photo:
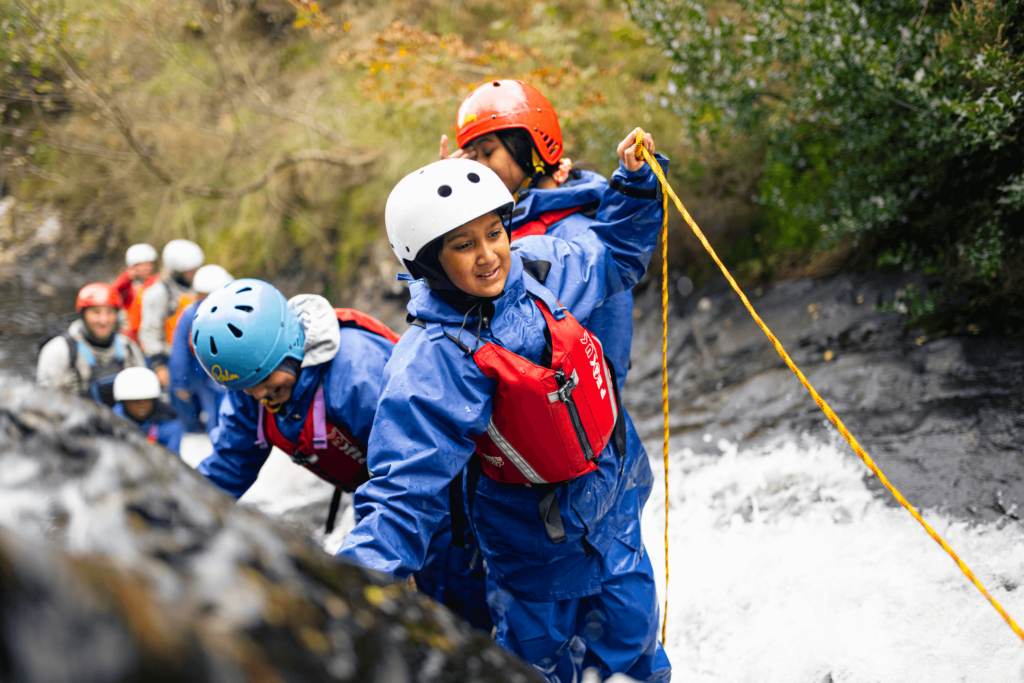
548, 424
540, 225
327, 450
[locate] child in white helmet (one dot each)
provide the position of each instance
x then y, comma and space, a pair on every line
137, 392
500, 412
164, 302
140, 273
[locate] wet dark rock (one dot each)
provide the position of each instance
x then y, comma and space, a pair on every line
943, 418
120, 563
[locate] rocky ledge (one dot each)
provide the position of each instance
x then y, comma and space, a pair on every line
943, 418
120, 563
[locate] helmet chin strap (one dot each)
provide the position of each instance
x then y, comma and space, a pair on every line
531, 180
270, 406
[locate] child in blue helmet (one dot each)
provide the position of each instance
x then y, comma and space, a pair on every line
498, 408
300, 375
137, 395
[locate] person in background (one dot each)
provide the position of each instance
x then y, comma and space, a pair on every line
163, 303
85, 358
137, 392
512, 129
140, 274
498, 409
195, 396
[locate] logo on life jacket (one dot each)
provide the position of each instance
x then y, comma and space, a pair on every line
595, 361
222, 375
497, 462
339, 441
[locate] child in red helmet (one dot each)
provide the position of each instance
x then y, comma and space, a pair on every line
510, 127
86, 357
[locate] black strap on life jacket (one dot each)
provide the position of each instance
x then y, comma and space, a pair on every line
332, 513
551, 515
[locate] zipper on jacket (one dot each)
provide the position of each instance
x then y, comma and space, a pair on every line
565, 388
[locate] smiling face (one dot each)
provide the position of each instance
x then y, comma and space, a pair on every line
492, 153
101, 320
476, 256
275, 390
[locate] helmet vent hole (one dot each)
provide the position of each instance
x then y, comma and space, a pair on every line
244, 289
444, 191
213, 310
473, 178
247, 309
235, 331
497, 84
213, 346
195, 338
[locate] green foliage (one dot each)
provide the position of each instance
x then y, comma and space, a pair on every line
172, 97
894, 123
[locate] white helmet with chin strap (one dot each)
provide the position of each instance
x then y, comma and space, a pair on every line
438, 198
135, 384
211, 278
181, 256
139, 253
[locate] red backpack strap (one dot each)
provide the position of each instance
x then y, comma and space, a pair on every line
349, 317
540, 225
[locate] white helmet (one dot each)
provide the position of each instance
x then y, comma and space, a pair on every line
135, 384
139, 253
210, 278
181, 256
438, 198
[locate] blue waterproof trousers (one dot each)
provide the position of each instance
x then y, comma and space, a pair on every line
547, 633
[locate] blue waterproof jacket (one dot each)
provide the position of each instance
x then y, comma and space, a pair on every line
612, 320
352, 385
435, 398
186, 373
163, 424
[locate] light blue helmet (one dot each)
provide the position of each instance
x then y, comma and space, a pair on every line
243, 331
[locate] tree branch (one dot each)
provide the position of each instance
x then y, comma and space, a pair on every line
291, 159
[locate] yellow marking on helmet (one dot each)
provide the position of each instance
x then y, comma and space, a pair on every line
222, 375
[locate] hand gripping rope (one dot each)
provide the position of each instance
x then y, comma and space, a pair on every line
833, 418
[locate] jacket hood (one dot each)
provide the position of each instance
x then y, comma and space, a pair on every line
323, 336
583, 187
425, 304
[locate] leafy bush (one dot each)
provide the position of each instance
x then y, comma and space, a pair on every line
895, 125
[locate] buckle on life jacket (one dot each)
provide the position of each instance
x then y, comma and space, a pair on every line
565, 387
304, 460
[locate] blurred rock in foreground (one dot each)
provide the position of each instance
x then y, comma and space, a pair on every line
119, 563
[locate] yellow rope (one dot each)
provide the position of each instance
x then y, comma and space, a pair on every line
639, 151
833, 418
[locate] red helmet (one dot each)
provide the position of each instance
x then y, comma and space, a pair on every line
97, 294
499, 105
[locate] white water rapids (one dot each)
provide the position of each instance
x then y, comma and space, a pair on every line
786, 569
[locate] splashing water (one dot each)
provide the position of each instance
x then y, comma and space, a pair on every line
785, 568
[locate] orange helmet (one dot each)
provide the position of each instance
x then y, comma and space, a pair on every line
499, 105
97, 294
